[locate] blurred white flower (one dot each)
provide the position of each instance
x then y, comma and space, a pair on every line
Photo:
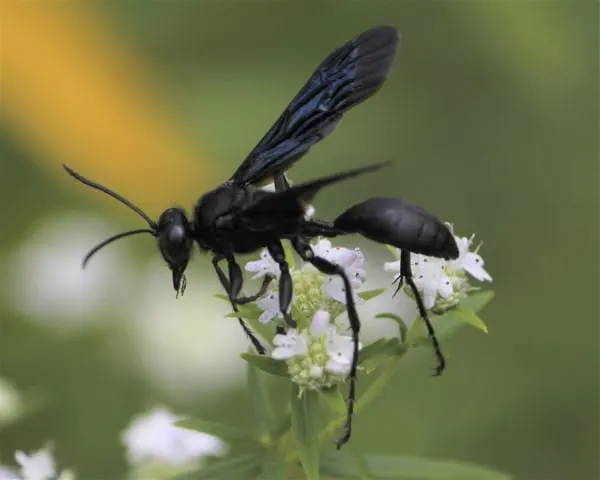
8, 474
178, 341
38, 465
318, 356
10, 402
312, 290
442, 283
153, 436
47, 281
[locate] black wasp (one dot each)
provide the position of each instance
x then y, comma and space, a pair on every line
238, 217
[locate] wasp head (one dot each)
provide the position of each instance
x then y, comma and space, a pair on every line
175, 243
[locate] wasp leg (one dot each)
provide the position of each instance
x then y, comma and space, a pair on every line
236, 280
286, 287
406, 274
305, 251
230, 289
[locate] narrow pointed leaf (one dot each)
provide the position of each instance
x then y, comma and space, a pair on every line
228, 468
267, 364
471, 318
477, 301
282, 426
226, 432
334, 399
244, 315
369, 294
305, 425
222, 296
407, 467
398, 320
264, 414
373, 355
289, 255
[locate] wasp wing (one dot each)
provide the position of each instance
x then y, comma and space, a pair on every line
347, 77
284, 208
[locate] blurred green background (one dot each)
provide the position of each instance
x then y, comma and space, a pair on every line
491, 119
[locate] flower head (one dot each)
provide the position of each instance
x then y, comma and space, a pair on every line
442, 283
318, 356
313, 290
154, 436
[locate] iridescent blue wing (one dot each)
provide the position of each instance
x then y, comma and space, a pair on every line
347, 77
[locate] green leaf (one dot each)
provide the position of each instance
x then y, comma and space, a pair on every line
222, 296
407, 467
398, 320
264, 414
289, 254
272, 466
282, 426
305, 425
377, 352
228, 468
476, 302
249, 311
334, 399
244, 315
369, 294
267, 364
226, 432
471, 318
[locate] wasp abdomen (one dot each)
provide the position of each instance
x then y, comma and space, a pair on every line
404, 225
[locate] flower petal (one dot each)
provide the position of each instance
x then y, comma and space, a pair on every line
474, 265
320, 323
283, 353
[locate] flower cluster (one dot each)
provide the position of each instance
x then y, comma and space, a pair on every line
155, 448
317, 353
317, 356
313, 291
153, 436
442, 283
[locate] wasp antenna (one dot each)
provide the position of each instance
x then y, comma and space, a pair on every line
114, 195
93, 251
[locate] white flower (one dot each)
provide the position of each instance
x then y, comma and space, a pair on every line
266, 265
318, 356
442, 284
47, 282
313, 290
178, 341
469, 261
288, 345
37, 466
153, 436
8, 474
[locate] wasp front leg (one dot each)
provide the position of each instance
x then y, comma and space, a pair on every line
286, 287
233, 286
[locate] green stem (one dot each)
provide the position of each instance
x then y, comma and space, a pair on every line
370, 394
